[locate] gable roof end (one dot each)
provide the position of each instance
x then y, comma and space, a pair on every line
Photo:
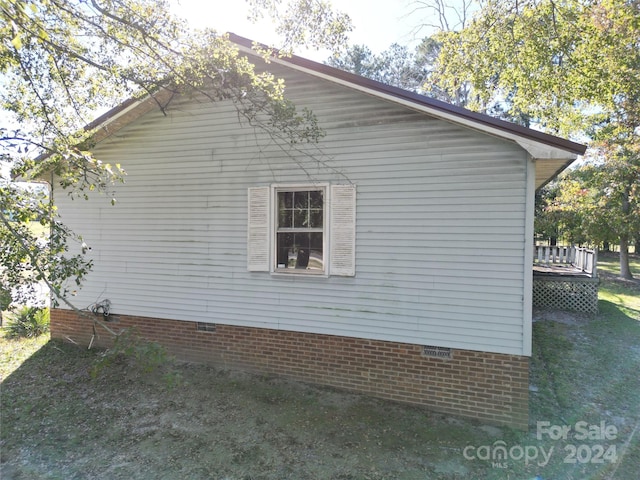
438, 108
552, 154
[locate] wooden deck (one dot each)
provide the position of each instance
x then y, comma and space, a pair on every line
565, 278
560, 270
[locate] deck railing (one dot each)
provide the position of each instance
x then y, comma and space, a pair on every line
581, 258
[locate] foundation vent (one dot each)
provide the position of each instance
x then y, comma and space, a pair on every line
206, 327
437, 352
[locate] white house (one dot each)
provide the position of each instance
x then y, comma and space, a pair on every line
395, 261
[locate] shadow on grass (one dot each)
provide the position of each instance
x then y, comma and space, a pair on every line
616, 311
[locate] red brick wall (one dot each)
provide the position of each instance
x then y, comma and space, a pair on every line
487, 386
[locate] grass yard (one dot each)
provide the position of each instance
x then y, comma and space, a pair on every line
188, 421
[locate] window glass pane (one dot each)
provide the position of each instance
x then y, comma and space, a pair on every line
300, 251
301, 218
285, 200
315, 251
315, 241
315, 199
285, 219
301, 199
285, 212
315, 260
286, 257
315, 219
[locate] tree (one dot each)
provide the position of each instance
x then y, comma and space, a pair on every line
613, 212
414, 71
360, 60
444, 15
548, 221
396, 66
399, 67
61, 61
570, 68
573, 209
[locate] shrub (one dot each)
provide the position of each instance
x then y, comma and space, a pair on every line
28, 322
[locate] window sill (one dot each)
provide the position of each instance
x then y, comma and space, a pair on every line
293, 272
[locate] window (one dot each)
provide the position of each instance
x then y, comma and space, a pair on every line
302, 229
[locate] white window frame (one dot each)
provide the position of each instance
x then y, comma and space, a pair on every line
299, 187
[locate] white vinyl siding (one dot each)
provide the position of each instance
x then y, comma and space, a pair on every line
439, 230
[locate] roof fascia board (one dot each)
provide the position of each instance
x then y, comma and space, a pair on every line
543, 151
112, 116
101, 125
129, 111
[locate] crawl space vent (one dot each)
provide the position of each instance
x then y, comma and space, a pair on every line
206, 327
436, 352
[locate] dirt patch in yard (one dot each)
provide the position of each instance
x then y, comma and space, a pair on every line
568, 318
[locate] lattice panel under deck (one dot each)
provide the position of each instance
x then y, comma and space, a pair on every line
573, 294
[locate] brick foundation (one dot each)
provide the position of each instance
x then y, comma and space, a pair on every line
489, 387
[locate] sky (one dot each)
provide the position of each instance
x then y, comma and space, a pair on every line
377, 23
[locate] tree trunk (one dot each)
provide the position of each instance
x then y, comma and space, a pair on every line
625, 271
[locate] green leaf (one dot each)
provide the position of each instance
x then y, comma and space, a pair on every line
16, 42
